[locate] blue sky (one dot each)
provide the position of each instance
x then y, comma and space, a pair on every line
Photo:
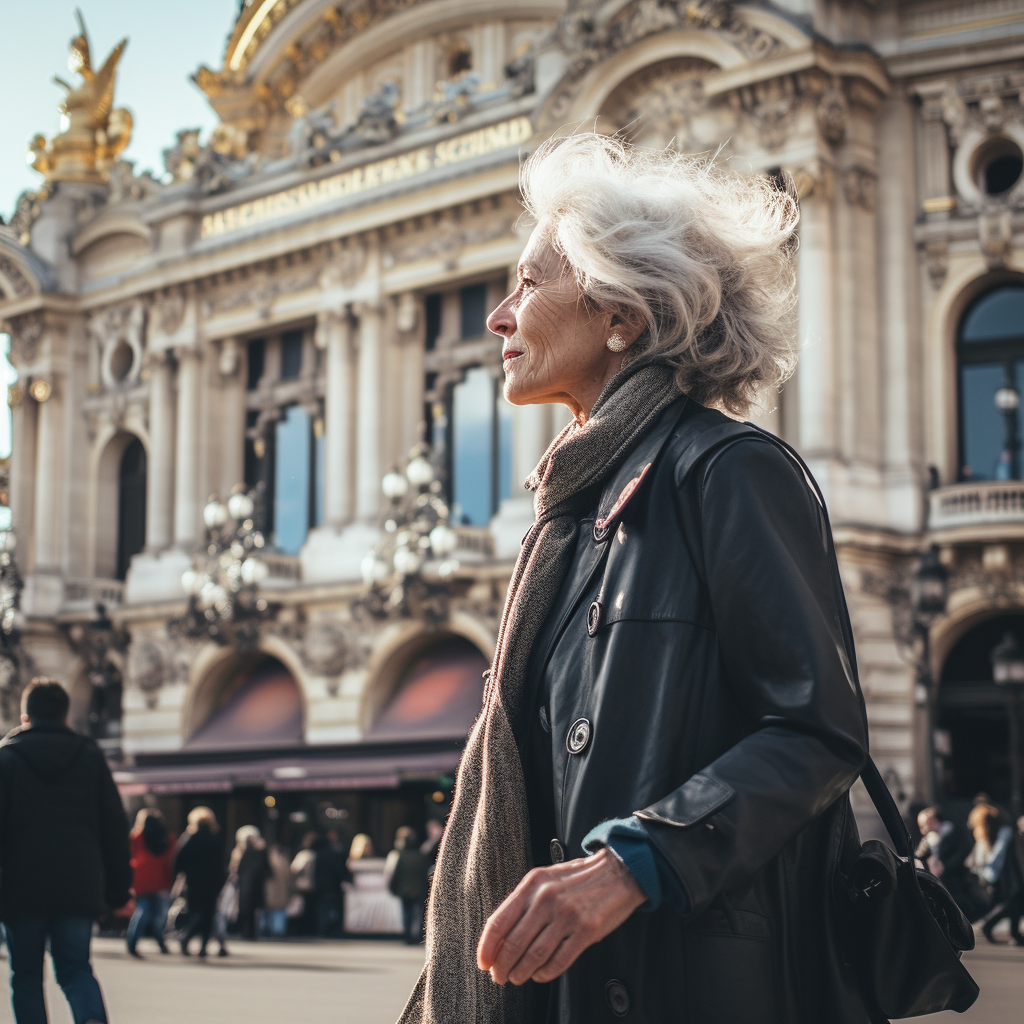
166, 43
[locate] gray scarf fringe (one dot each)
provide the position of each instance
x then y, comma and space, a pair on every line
485, 851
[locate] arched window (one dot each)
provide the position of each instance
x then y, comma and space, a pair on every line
438, 694
131, 505
990, 355
257, 703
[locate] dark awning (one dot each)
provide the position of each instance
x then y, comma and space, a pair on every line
356, 766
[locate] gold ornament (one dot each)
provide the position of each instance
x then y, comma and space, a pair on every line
94, 134
40, 390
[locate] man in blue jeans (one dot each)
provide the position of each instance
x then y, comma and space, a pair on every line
64, 854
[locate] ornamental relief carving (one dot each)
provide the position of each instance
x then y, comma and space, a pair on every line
260, 292
26, 333
13, 283
587, 39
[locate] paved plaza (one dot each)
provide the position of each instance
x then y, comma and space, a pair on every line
357, 983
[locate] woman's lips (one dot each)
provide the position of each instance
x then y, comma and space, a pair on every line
509, 354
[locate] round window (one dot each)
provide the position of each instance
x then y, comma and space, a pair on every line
998, 164
121, 360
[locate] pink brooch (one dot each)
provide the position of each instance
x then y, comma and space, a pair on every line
620, 502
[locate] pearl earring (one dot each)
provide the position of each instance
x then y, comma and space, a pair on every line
617, 343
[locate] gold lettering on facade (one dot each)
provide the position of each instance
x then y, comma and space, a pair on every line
370, 176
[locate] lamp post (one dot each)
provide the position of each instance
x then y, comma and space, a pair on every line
1007, 401
222, 585
411, 572
93, 642
929, 593
1008, 673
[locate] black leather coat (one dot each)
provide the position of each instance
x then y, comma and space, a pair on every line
695, 671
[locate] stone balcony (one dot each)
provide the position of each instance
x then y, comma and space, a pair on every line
982, 509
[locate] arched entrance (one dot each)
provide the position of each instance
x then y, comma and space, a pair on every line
972, 726
120, 505
131, 506
437, 692
251, 701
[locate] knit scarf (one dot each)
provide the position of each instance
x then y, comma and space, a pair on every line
485, 851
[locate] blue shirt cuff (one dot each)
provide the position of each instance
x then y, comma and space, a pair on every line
628, 840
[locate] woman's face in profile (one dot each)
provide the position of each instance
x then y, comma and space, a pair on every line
553, 348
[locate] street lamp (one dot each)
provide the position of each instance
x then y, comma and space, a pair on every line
1007, 401
929, 593
12, 656
1008, 673
223, 582
410, 572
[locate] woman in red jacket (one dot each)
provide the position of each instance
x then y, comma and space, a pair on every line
152, 854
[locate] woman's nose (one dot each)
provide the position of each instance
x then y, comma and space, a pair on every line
502, 320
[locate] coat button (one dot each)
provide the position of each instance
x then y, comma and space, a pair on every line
557, 852
593, 618
579, 736
618, 998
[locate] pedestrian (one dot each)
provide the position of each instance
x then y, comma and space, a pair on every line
152, 849
251, 869
998, 860
200, 859
430, 845
277, 893
64, 857
302, 868
672, 719
361, 847
330, 875
405, 874
944, 849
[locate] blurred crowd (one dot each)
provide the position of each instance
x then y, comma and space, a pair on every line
982, 866
183, 890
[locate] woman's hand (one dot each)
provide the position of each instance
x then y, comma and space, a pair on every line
554, 914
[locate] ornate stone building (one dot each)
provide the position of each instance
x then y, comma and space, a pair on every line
302, 299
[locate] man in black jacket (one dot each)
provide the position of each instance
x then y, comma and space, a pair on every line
64, 854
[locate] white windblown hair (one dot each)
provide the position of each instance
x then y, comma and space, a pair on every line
702, 257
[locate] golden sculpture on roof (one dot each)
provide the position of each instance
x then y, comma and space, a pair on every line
94, 132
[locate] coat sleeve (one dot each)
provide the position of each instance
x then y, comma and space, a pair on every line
778, 617
114, 843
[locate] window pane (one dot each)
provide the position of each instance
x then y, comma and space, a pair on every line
472, 413
473, 303
432, 316
996, 316
257, 359
291, 480
291, 355
984, 426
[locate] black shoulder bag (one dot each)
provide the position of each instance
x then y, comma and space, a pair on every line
900, 929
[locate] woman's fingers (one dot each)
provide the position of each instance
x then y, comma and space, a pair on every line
504, 919
562, 958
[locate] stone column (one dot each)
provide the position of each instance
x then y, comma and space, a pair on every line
23, 477
232, 423
816, 321
49, 480
160, 467
334, 334
369, 470
186, 480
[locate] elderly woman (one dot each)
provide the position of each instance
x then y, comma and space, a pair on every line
649, 808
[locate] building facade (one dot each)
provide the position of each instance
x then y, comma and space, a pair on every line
301, 301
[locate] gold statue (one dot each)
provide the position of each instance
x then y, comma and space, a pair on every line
94, 134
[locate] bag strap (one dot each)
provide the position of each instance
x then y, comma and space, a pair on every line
875, 785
